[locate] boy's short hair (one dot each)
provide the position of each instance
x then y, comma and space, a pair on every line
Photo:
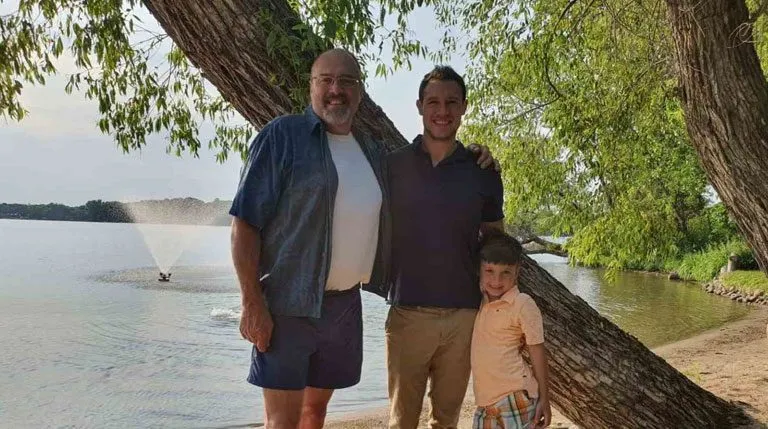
445, 73
498, 247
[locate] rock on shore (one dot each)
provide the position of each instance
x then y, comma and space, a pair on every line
746, 296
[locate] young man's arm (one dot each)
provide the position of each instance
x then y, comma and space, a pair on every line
255, 321
541, 372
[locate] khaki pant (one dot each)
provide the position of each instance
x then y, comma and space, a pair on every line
428, 343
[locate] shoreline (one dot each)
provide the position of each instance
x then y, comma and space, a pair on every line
743, 295
728, 361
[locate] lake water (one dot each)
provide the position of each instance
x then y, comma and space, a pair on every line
90, 338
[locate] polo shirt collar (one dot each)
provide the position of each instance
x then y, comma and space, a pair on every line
460, 154
511, 294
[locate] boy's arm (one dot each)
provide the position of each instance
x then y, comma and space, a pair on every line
533, 328
538, 355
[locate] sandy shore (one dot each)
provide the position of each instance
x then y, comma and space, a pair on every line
730, 361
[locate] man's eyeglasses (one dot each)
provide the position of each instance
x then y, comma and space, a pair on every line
342, 81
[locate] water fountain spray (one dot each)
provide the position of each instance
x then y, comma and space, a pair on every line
168, 227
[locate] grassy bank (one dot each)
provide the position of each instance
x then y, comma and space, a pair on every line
745, 284
748, 280
705, 265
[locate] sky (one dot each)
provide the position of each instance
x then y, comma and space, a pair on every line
57, 153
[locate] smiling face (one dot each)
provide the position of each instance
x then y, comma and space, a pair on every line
498, 279
442, 105
335, 90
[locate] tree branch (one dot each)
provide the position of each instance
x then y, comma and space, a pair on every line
549, 42
534, 245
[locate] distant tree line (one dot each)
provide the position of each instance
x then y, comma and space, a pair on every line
176, 210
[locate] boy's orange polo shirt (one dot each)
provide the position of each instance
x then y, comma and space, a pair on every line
502, 327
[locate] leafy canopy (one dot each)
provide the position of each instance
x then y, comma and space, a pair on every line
578, 100
143, 82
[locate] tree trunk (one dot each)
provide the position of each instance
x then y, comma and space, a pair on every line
725, 99
252, 52
601, 376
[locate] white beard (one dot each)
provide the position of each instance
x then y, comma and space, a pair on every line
337, 115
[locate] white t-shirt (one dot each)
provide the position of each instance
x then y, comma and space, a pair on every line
355, 230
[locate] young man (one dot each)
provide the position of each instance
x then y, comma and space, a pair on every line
440, 202
309, 211
508, 396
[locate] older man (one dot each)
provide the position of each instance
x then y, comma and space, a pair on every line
311, 224
308, 212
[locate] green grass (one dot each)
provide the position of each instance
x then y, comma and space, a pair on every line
705, 265
746, 280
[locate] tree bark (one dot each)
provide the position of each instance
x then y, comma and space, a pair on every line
601, 376
725, 99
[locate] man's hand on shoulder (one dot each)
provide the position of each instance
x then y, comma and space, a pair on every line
484, 156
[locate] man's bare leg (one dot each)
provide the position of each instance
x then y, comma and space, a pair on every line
283, 408
314, 408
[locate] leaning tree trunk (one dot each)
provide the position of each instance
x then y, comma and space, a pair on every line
725, 99
601, 376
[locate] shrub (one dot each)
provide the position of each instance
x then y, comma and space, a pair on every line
711, 226
705, 265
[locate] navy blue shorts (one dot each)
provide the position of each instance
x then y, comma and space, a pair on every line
326, 353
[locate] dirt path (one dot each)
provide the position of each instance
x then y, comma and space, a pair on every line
731, 362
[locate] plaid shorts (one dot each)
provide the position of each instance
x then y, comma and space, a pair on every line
514, 411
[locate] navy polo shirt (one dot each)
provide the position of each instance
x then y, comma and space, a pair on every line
436, 215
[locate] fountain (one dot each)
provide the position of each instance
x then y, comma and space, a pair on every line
166, 242
170, 226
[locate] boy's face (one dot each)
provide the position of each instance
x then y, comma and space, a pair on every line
498, 279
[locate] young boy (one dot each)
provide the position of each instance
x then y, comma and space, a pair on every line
507, 394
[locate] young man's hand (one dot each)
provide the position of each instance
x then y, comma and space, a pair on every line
256, 325
543, 415
484, 156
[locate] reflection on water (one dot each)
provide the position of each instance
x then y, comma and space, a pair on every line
90, 338
648, 306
